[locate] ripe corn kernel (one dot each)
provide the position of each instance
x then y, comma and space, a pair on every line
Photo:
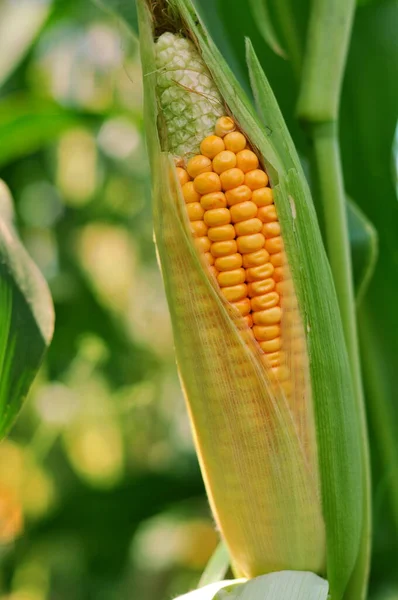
211, 146
234, 293
278, 274
281, 373
231, 179
221, 233
256, 179
246, 160
224, 125
224, 161
273, 245
267, 214
285, 288
219, 249
248, 227
259, 288
243, 211
182, 175
209, 258
199, 164
213, 271
195, 211
235, 141
189, 193
263, 196
266, 301
263, 333
270, 316
258, 273
213, 200
243, 306
228, 278
206, 183
198, 228
227, 263
217, 216
275, 358
248, 320
202, 243
240, 194
254, 259
250, 243
273, 345
278, 259
271, 230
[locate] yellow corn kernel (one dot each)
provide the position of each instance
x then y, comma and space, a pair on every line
189, 193
235, 141
259, 288
221, 233
261, 272
202, 243
240, 194
250, 243
248, 227
263, 196
182, 175
227, 263
213, 271
273, 245
271, 345
281, 373
228, 278
256, 179
198, 228
271, 230
285, 288
209, 258
266, 301
278, 259
266, 332
270, 316
224, 125
235, 293
223, 248
243, 211
211, 146
206, 183
278, 274
267, 213
249, 321
254, 259
275, 358
213, 200
199, 164
195, 211
246, 160
231, 179
224, 161
217, 216
243, 306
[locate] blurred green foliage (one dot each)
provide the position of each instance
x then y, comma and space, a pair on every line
100, 492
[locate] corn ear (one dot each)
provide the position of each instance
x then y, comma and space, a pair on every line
273, 486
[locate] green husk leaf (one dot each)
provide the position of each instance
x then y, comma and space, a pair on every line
261, 14
26, 317
217, 567
364, 248
336, 418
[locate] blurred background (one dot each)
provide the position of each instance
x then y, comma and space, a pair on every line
100, 493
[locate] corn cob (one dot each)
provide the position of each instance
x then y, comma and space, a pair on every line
232, 215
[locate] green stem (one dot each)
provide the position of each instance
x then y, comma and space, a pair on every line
318, 107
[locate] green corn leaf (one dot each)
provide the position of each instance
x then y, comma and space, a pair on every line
26, 317
261, 14
217, 567
364, 248
126, 9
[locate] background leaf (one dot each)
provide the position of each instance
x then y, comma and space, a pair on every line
26, 317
